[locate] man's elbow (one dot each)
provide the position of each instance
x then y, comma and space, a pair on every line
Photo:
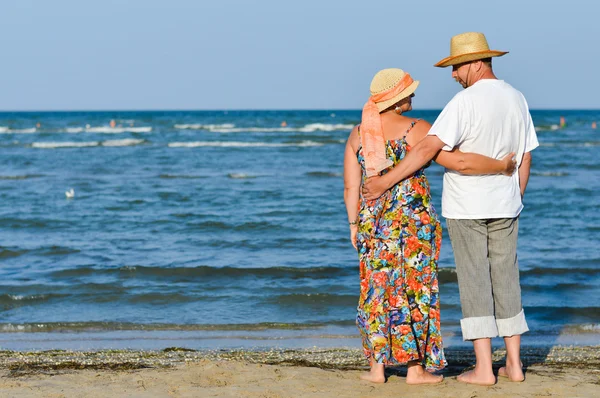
526, 161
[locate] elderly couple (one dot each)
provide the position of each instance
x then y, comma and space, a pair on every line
483, 138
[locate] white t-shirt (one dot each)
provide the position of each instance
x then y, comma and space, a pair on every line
489, 118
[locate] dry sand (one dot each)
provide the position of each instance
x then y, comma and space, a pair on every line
561, 372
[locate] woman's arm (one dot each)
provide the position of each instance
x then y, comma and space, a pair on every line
352, 181
473, 163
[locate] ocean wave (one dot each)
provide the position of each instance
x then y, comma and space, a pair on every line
550, 127
550, 313
592, 328
21, 177
204, 126
123, 142
12, 300
66, 144
204, 271
237, 144
240, 176
446, 275
323, 174
570, 144
549, 173
6, 130
45, 327
327, 299
230, 128
109, 130
180, 176
7, 253
86, 144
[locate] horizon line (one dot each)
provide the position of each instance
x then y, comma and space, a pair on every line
250, 110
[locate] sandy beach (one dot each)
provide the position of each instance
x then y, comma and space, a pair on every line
556, 372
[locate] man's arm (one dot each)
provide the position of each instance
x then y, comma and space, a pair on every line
524, 170
420, 154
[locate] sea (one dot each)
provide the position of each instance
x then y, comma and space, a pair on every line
227, 229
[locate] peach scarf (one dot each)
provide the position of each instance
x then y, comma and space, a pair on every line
371, 131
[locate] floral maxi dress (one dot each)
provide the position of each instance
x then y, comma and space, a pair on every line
399, 238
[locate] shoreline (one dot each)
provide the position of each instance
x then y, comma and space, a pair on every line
580, 357
560, 371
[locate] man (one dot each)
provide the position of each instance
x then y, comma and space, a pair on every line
490, 118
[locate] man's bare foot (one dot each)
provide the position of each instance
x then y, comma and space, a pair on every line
376, 375
417, 375
478, 378
513, 373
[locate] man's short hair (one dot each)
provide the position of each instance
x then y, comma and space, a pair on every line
487, 61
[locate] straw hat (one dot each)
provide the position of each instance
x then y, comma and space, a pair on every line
466, 47
386, 79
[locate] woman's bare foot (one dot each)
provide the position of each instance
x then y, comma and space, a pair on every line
417, 375
376, 375
513, 373
479, 378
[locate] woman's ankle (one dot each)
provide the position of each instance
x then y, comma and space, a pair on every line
415, 367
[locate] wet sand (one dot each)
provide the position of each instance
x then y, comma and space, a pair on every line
556, 372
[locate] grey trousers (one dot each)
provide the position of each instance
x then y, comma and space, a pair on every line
485, 252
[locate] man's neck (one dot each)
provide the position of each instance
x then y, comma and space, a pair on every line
486, 75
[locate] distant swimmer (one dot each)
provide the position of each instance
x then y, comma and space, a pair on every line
113, 123
563, 123
38, 125
594, 125
283, 124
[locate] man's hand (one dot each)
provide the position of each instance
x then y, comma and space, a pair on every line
374, 187
510, 164
353, 234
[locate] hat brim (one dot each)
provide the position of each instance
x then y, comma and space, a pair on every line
382, 106
459, 59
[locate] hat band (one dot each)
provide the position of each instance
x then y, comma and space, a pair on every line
372, 140
402, 85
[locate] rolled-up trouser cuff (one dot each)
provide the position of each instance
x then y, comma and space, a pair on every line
480, 327
514, 326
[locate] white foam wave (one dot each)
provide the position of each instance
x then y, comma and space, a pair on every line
85, 144
124, 142
87, 129
550, 174
52, 145
326, 127
240, 176
18, 297
6, 130
237, 144
570, 144
118, 130
204, 126
551, 127
230, 128
74, 129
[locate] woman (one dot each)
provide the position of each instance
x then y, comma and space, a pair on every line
398, 235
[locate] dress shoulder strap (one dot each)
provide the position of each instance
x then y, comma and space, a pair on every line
412, 124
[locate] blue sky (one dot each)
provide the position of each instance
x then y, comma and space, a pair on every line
264, 54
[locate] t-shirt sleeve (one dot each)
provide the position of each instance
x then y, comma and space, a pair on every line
531, 141
448, 127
